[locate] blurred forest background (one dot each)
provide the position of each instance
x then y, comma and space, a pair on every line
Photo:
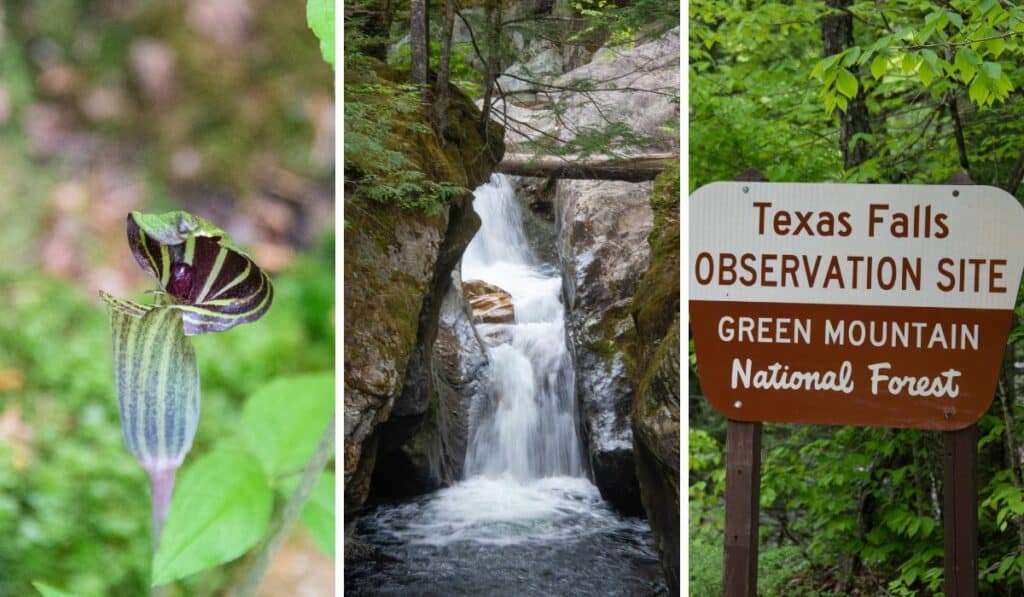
903, 91
224, 109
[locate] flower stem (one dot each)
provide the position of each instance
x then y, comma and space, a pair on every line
162, 482
282, 526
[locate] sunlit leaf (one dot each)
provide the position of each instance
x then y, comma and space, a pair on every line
320, 16
878, 66
47, 591
846, 83
283, 421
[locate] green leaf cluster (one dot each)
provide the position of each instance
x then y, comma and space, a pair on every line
223, 501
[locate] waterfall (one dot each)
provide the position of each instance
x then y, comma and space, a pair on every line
528, 430
525, 520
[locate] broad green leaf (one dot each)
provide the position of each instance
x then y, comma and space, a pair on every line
965, 62
846, 83
924, 71
47, 591
909, 63
931, 58
157, 382
996, 47
320, 16
851, 55
878, 66
283, 421
221, 508
979, 91
992, 70
318, 516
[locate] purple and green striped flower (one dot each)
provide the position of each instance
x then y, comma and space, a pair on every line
206, 285
213, 283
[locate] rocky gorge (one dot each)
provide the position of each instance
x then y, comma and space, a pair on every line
422, 344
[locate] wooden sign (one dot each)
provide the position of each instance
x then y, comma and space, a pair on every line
877, 305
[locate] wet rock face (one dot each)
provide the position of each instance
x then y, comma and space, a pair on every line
655, 415
488, 303
602, 233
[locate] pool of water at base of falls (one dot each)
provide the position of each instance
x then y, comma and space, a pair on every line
503, 536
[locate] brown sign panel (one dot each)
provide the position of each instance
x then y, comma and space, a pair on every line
877, 305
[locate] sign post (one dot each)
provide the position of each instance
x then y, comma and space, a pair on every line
838, 304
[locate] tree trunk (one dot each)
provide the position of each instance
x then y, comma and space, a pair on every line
441, 95
837, 35
419, 41
633, 168
492, 43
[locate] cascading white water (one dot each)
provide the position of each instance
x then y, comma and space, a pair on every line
524, 521
530, 431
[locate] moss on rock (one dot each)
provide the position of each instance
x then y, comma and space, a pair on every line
655, 412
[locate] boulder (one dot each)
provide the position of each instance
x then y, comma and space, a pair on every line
602, 231
488, 303
639, 89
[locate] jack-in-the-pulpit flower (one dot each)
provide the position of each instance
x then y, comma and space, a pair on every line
206, 285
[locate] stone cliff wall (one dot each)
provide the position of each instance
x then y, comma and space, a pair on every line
602, 247
404, 422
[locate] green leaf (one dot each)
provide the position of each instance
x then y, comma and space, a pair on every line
909, 63
996, 47
851, 55
47, 591
965, 62
878, 66
318, 516
992, 70
979, 91
846, 83
924, 71
320, 16
221, 508
283, 421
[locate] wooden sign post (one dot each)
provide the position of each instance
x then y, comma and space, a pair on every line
837, 304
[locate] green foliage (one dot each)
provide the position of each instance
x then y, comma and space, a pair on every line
282, 422
222, 504
320, 16
47, 591
221, 508
384, 125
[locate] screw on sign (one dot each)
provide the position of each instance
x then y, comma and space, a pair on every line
839, 304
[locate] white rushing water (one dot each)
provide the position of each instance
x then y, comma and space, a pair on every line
525, 428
